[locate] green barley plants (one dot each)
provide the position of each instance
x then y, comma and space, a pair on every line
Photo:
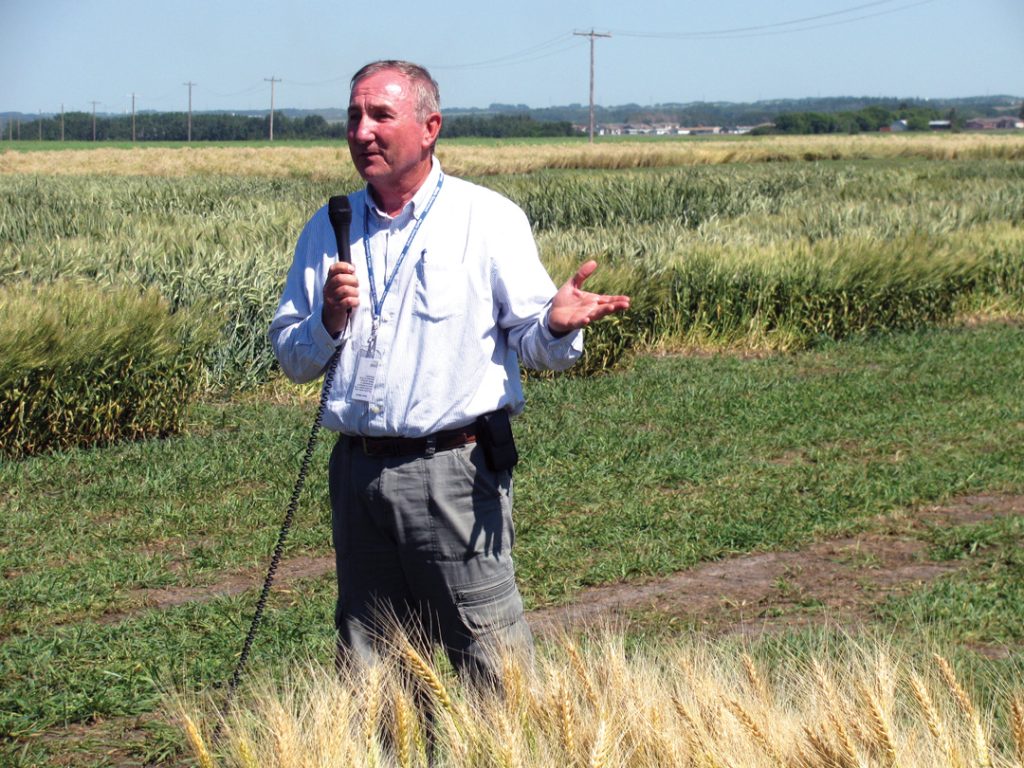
80, 365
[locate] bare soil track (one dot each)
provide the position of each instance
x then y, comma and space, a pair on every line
843, 577
840, 578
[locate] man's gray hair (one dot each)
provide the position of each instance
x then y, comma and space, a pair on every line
428, 97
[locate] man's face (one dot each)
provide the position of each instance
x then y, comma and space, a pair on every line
390, 147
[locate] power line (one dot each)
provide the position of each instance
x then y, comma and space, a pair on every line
765, 30
244, 91
524, 56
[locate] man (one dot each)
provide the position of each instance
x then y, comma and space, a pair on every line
444, 295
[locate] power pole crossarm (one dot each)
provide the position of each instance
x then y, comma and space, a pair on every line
591, 34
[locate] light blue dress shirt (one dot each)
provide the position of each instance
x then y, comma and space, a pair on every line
469, 301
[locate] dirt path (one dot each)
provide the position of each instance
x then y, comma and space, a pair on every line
840, 578
835, 580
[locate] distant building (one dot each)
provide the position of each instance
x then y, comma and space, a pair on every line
701, 130
940, 125
994, 124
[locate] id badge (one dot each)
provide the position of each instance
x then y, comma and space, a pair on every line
366, 374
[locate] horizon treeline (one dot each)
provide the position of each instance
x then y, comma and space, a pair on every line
803, 116
869, 119
174, 126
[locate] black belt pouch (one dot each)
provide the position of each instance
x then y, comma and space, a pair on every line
494, 434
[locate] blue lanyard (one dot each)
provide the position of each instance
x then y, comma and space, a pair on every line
375, 304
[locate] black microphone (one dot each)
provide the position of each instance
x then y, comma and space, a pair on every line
339, 211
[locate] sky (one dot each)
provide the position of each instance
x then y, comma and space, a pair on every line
71, 53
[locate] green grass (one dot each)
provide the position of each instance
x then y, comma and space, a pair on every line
625, 476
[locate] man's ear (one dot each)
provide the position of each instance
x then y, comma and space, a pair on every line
431, 130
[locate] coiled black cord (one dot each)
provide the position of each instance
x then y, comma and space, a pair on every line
275, 559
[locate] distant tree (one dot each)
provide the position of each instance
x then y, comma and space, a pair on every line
503, 126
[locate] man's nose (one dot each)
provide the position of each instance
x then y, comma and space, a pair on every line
361, 129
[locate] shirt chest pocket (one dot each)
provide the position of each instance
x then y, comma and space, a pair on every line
440, 290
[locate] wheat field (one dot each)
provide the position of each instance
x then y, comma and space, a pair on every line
509, 157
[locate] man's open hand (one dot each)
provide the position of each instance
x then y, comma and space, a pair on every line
573, 308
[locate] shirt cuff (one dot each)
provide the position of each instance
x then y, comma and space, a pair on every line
321, 337
552, 341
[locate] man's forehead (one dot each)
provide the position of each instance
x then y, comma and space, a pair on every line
381, 86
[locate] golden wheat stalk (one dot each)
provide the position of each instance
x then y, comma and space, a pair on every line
838, 714
879, 727
426, 675
198, 744
757, 683
691, 731
371, 714
845, 742
565, 719
1017, 727
827, 756
968, 708
581, 671
246, 757
404, 728
933, 719
755, 731
601, 750
287, 745
515, 685
959, 694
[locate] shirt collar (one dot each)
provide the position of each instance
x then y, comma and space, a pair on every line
414, 208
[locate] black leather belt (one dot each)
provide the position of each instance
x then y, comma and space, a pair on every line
413, 446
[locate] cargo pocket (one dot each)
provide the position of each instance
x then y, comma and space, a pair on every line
491, 605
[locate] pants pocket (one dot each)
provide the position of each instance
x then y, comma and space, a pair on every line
490, 605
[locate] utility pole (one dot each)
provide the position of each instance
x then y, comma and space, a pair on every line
94, 103
133, 118
190, 84
591, 34
272, 80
